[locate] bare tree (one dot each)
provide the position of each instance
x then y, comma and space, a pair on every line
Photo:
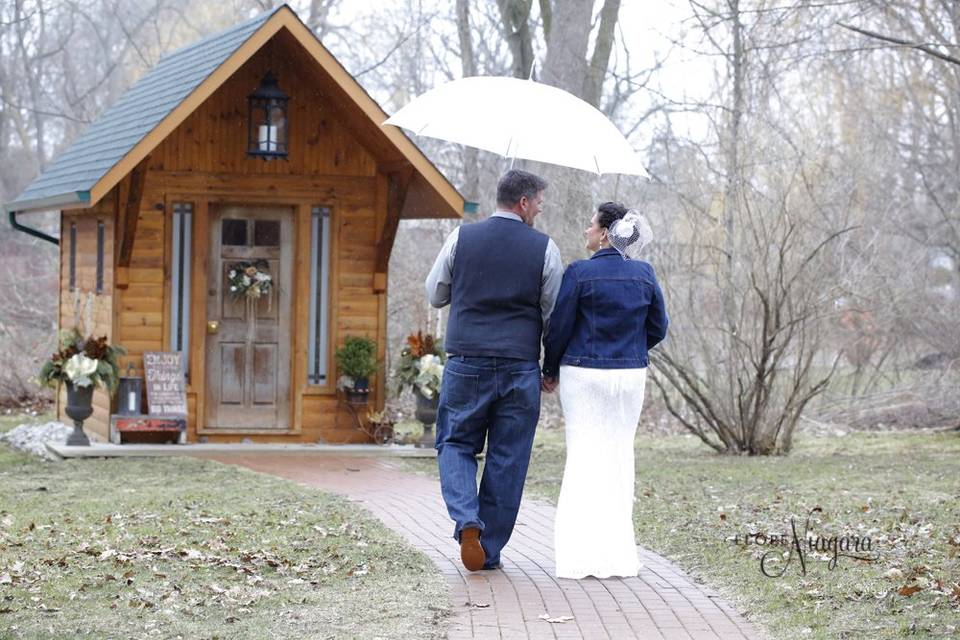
752, 283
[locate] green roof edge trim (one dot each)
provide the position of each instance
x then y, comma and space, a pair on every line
68, 200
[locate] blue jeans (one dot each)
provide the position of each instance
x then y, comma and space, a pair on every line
497, 400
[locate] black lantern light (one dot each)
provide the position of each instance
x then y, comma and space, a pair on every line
268, 124
129, 393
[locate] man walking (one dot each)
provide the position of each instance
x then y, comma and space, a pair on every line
500, 278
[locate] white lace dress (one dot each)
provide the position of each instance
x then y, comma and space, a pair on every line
594, 534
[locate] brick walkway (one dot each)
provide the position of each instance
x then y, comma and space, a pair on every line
662, 602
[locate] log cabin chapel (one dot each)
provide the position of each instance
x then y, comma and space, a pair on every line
252, 144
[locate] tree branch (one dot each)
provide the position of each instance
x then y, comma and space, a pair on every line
903, 43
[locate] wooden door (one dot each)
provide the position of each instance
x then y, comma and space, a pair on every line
248, 341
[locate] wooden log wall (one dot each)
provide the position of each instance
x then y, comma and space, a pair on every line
82, 306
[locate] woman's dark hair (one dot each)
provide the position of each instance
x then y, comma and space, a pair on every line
610, 212
516, 184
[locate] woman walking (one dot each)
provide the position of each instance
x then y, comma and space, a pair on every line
608, 314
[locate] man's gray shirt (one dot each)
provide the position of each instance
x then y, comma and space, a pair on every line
441, 275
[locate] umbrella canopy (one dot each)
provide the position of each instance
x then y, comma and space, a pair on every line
519, 118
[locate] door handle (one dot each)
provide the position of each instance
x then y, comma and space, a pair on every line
213, 326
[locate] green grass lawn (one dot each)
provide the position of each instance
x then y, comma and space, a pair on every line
186, 548
900, 490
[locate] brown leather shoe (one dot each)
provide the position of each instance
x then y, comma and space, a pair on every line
471, 553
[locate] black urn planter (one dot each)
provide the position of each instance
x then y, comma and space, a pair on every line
426, 412
79, 408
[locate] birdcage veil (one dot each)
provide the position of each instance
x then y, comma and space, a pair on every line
630, 234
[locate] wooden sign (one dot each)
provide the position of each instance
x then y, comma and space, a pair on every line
166, 393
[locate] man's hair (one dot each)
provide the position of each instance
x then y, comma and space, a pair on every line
516, 184
610, 212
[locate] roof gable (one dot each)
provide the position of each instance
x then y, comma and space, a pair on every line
138, 111
165, 96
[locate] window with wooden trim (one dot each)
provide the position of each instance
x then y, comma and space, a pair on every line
319, 338
181, 228
101, 233
73, 256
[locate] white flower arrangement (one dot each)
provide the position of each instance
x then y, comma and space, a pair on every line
430, 375
421, 365
79, 368
82, 362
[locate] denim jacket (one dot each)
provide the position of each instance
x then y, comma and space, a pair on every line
608, 313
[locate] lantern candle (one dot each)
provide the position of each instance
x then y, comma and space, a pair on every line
268, 137
129, 393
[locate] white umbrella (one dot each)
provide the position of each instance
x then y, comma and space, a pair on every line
519, 118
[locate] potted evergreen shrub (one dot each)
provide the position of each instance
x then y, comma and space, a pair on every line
357, 361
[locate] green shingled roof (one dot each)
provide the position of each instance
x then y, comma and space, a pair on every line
124, 124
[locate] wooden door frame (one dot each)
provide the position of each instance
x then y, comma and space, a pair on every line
200, 248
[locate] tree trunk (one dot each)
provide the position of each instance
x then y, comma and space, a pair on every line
546, 17
471, 169
31, 79
565, 65
600, 60
516, 30
730, 204
570, 197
